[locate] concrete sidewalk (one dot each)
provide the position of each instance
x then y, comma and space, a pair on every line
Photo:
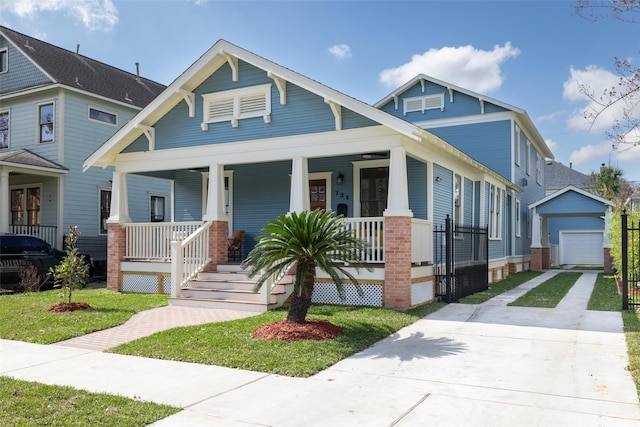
479, 365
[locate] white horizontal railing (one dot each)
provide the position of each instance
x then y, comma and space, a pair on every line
45, 232
421, 241
152, 241
189, 257
372, 230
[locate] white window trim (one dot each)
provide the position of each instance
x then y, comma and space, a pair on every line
8, 112
5, 69
100, 190
517, 145
518, 221
423, 103
102, 110
528, 158
235, 95
538, 168
460, 218
53, 120
24, 187
495, 214
165, 197
357, 166
327, 176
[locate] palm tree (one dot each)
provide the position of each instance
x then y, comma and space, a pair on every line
304, 241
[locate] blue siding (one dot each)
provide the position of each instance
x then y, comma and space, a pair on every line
417, 178
462, 105
572, 202
572, 223
342, 193
21, 72
442, 194
303, 113
489, 143
468, 202
188, 196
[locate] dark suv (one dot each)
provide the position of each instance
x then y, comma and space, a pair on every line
18, 251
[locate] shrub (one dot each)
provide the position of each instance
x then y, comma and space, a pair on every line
30, 279
614, 232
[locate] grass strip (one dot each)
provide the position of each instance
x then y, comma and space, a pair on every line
549, 293
631, 320
25, 316
605, 296
497, 288
24, 403
231, 344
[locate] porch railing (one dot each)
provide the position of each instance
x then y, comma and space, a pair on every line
152, 241
48, 233
188, 257
371, 230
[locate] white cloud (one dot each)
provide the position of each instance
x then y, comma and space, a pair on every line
94, 14
550, 117
466, 66
340, 51
596, 80
591, 153
553, 146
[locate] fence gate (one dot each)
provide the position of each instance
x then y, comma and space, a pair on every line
630, 263
461, 262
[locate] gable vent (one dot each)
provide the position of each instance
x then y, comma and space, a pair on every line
253, 103
222, 109
233, 105
424, 103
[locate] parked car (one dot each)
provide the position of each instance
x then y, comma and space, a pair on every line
19, 251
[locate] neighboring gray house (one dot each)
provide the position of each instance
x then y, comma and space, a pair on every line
558, 176
56, 107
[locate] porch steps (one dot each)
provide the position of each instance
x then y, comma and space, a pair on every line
228, 287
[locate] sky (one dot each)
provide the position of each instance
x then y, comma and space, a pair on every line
533, 55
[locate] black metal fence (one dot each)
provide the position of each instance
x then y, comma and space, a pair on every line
630, 258
461, 260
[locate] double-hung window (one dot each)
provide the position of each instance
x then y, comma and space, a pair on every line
105, 209
528, 158
516, 138
495, 207
45, 122
25, 206
157, 208
4, 129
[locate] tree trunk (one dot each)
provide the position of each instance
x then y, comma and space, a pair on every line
300, 304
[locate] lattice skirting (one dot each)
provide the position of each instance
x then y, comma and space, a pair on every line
146, 283
326, 293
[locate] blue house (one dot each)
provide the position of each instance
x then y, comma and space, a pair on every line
244, 140
56, 107
496, 134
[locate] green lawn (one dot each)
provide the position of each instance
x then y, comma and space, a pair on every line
232, 344
605, 295
497, 288
25, 316
549, 293
25, 403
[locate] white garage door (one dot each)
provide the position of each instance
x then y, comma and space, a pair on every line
581, 248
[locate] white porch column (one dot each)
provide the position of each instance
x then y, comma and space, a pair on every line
536, 230
398, 195
299, 199
119, 199
215, 196
4, 200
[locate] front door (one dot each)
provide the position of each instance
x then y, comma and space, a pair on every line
318, 194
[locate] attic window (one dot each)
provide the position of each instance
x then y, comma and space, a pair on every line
237, 104
4, 60
424, 103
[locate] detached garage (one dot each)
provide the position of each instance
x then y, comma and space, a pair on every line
581, 247
572, 222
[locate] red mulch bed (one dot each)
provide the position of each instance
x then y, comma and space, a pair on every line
316, 330
68, 306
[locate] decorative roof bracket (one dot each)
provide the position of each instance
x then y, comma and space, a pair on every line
190, 99
281, 84
233, 63
150, 133
481, 105
423, 83
336, 109
395, 101
450, 94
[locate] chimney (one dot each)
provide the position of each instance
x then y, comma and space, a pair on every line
137, 71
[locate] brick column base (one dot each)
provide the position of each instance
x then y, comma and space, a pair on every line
115, 254
608, 261
536, 259
546, 258
219, 242
397, 258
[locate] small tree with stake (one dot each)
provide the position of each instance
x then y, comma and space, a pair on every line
73, 271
